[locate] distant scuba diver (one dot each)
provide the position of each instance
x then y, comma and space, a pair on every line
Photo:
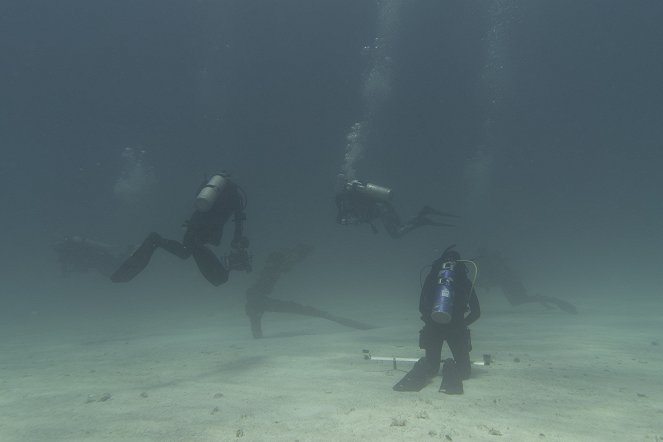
77, 254
258, 300
359, 203
216, 202
496, 272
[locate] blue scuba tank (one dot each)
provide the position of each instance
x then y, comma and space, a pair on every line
443, 300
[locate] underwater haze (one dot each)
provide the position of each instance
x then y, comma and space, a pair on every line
538, 122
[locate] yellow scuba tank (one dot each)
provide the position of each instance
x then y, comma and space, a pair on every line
210, 193
372, 190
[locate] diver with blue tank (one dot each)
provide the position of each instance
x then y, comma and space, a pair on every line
217, 200
448, 305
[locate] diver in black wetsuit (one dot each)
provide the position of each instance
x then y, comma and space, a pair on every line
77, 254
358, 203
447, 316
217, 201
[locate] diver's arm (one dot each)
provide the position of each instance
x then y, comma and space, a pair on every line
475, 309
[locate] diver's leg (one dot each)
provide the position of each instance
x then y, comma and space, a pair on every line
392, 222
431, 340
425, 368
209, 265
452, 380
455, 370
138, 260
460, 345
434, 356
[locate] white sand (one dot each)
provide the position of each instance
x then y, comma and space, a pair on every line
192, 372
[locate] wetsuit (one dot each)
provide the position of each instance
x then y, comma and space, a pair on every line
202, 228
466, 310
354, 207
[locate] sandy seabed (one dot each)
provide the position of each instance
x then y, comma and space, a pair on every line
195, 374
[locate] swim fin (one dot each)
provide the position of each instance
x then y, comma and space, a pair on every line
423, 219
452, 382
417, 378
138, 260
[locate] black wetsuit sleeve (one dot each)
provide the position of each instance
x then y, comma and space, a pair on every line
475, 309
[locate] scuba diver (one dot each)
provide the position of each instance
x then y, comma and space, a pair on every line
77, 254
257, 296
216, 202
496, 272
358, 202
448, 305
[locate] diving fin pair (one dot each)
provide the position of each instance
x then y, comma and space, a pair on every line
421, 375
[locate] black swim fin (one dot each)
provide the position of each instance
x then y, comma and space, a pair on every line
138, 260
423, 219
452, 382
417, 378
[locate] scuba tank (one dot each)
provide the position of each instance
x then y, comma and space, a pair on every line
444, 293
371, 190
210, 193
